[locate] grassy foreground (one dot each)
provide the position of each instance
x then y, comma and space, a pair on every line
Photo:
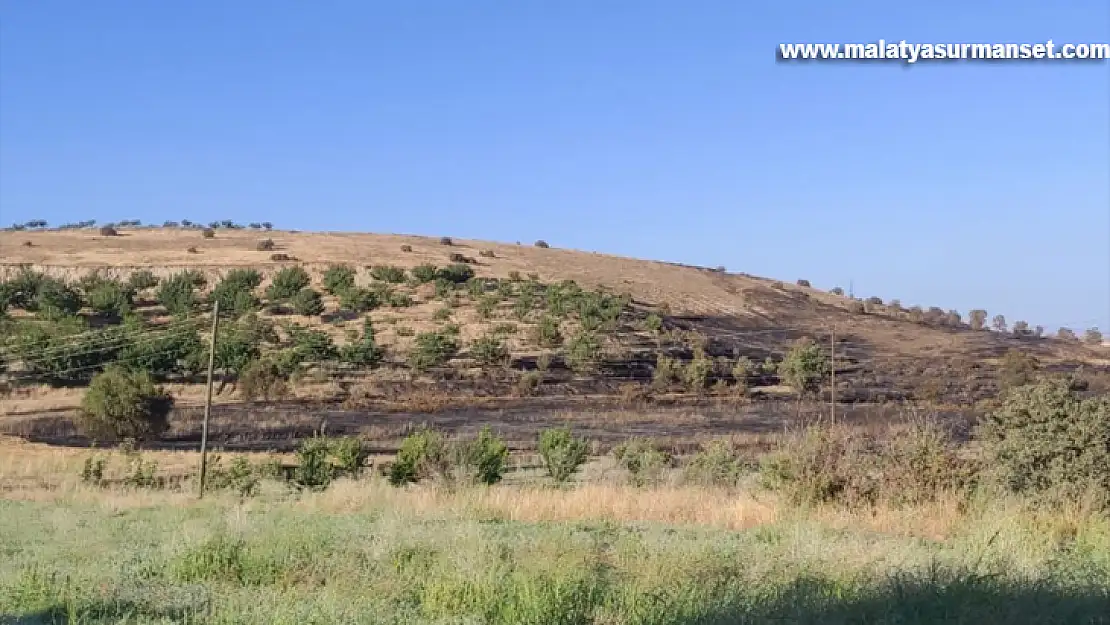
364, 552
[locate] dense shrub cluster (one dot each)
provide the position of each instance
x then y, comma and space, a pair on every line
124, 404
427, 454
1047, 439
835, 463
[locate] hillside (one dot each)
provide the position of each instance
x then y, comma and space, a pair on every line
883, 352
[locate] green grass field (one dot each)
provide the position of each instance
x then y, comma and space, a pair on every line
364, 552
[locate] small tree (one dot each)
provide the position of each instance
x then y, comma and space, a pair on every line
999, 323
481, 459
388, 273
1067, 334
422, 455
583, 351
177, 294
358, 300
977, 319
307, 302
424, 273
457, 273
124, 404
235, 292
1020, 329
542, 243
110, 298
805, 366
1017, 369
338, 278
142, 279
431, 349
1092, 337
489, 351
287, 283
562, 453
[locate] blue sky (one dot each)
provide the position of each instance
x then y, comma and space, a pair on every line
661, 130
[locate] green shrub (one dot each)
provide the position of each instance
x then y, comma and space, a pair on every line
442, 314
111, 298
696, 372
400, 300
546, 333
287, 283
424, 273
235, 292
20, 291
562, 453
444, 288
805, 367
321, 459
177, 294
311, 345
358, 300
583, 351
422, 455
314, 470
717, 464
431, 349
241, 476
457, 273
643, 460
124, 404
361, 350
237, 345
55, 298
489, 351
1092, 336
142, 279
338, 278
482, 459
264, 379
653, 323
308, 303
164, 352
348, 454
666, 371
1017, 369
388, 273
1046, 439
486, 305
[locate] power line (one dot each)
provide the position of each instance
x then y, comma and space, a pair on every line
109, 344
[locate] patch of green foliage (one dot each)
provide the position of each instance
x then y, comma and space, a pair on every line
124, 404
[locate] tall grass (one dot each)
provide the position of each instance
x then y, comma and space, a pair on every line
363, 551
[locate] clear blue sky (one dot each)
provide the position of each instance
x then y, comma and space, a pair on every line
662, 130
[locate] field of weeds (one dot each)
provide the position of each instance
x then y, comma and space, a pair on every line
595, 551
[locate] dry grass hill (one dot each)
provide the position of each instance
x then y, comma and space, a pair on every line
674, 338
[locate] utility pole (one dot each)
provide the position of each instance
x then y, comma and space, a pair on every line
208, 397
832, 374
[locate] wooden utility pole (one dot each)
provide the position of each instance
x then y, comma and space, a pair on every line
832, 374
208, 397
